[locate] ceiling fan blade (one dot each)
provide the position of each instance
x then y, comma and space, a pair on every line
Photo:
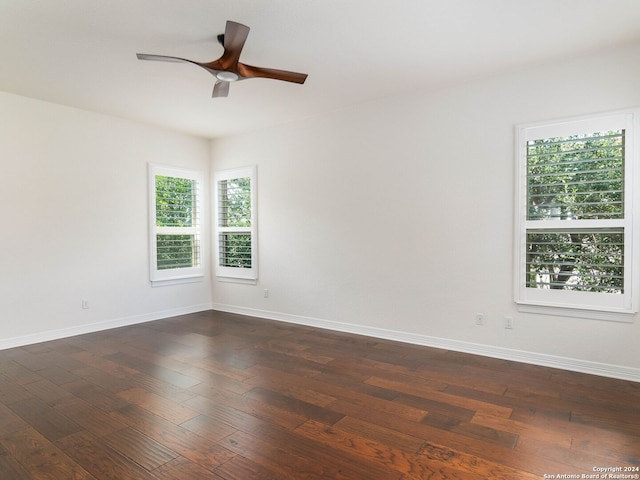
164, 58
220, 89
249, 71
161, 58
235, 35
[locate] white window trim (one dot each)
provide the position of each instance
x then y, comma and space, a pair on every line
174, 276
600, 306
234, 274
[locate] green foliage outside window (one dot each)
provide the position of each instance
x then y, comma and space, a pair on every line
574, 178
175, 201
234, 210
176, 207
175, 251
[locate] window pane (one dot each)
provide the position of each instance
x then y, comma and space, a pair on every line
235, 250
177, 251
576, 260
576, 177
234, 202
175, 201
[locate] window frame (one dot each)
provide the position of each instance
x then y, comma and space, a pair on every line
237, 274
593, 305
172, 276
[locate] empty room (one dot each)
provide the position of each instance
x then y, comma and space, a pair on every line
299, 240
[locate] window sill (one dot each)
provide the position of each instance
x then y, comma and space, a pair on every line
176, 281
624, 316
245, 281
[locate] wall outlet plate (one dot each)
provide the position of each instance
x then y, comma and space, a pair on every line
508, 323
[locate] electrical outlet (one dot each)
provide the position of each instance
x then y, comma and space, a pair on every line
85, 304
508, 322
479, 318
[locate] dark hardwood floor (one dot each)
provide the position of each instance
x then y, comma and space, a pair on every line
220, 396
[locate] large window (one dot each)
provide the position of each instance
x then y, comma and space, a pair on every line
175, 206
577, 211
236, 242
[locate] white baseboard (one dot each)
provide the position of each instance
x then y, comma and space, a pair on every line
553, 361
99, 326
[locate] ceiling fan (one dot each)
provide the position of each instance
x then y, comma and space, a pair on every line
228, 68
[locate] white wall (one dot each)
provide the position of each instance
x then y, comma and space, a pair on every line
395, 218
73, 191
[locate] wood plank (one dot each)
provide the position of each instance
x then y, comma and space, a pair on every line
570, 460
43, 418
390, 371
477, 443
608, 420
171, 411
291, 447
102, 363
99, 377
165, 374
291, 458
611, 444
163, 389
208, 427
297, 350
256, 408
226, 415
215, 366
482, 379
557, 436
16, 372
46, 390
89, 417
202, 451
99, 460
183, 469
139, 448
10, 468
381, 407
378, 433
33, 361
344, 386
292, 404
57, 375
40, 458
95, 395
436, 407
241, 468
427, 464
11, 391
295, 386
10, 421
442, 397
486, 434
540, 407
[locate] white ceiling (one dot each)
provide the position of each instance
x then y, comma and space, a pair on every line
81, 53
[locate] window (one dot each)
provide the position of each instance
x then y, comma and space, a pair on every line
175, 211
236, 246
576, 215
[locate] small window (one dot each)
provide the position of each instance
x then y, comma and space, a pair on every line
175, 207
576, 215
236, 242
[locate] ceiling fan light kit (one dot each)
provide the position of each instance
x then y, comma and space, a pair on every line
228, 68
227, 76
